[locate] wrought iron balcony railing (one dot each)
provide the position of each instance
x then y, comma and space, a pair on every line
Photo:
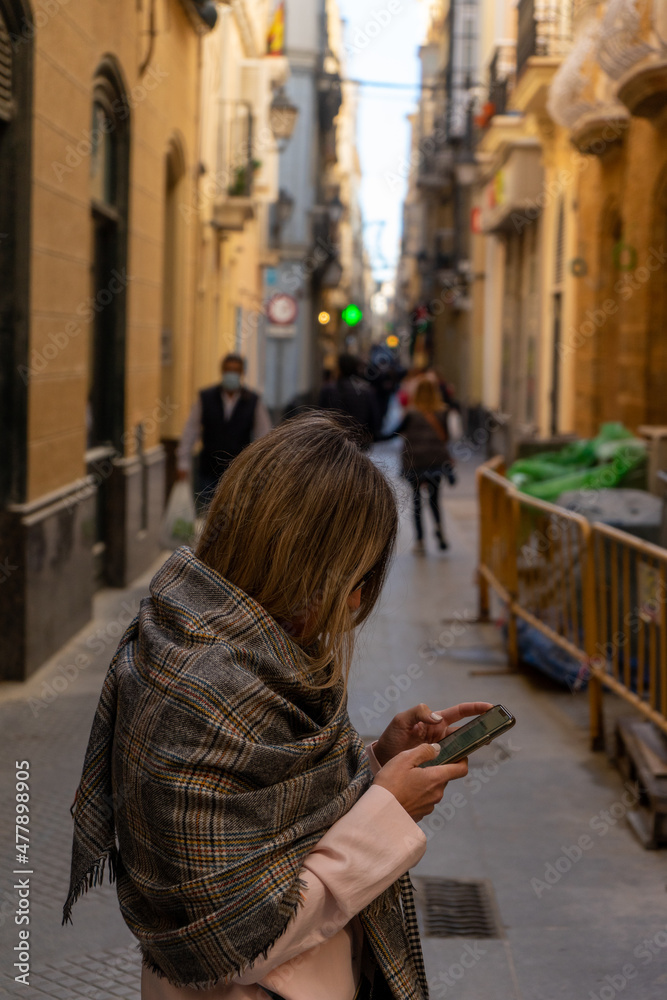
502, 70
544, 29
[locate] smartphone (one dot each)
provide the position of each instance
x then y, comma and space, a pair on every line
473, 735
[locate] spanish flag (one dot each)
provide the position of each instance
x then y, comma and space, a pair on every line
276, 35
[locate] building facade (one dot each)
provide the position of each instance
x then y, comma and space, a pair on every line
556, 244
137, 166
435, 288
570, 211
611, 96
315, 225
95, 100
227, 217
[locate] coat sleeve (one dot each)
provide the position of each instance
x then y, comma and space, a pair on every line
359, 857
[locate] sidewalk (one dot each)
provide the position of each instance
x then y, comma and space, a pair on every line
573, 925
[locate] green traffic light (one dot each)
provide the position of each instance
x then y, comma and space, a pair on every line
352, 314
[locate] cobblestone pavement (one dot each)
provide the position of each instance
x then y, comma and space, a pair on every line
46, 722
571, 941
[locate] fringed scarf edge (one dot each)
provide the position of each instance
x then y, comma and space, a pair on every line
209, 984
94, 876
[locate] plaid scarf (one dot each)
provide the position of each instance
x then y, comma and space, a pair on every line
211, 772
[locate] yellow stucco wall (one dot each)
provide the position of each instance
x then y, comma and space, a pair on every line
68, 49
620, 364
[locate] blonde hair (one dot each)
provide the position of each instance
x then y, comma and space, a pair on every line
427, 396
297, 520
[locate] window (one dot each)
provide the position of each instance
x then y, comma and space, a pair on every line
15, 181
109, 181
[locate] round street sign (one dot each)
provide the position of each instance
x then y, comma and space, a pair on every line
282, 309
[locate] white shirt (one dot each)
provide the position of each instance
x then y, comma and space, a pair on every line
192, 430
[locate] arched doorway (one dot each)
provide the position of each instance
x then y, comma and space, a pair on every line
109, 199
174, 271
109, 192
656, 375
16, 56
605, 355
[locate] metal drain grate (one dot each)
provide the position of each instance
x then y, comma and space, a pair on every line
457, 908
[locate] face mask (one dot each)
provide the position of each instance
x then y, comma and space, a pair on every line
231, 381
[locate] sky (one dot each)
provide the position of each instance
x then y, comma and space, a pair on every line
381, 42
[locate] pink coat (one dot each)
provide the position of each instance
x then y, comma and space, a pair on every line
320, 954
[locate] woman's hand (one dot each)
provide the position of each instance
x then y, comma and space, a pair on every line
419, 789
420, 725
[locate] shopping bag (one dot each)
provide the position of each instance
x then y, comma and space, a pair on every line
178, 523
454, 425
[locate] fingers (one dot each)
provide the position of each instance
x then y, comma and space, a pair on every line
421, 713
416, 756
463, 711
450, 772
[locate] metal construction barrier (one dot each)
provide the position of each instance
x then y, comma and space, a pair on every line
597, 593
630, 619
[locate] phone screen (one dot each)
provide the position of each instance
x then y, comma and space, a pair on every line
457, 744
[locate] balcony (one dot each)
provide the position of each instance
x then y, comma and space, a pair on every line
233, 204
512, 198
544, 30
502, 72
632, 50
544, 37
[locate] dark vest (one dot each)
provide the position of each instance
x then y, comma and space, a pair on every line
223, 440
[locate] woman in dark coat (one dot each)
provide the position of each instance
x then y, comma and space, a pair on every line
426, 454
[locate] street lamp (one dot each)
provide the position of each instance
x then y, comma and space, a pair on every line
208, 12
282, 116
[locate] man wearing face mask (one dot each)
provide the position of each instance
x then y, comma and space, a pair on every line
226, 417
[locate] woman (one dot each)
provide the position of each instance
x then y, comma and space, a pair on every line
255, 842
425, 453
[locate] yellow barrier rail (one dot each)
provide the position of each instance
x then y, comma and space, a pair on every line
629, 653
596, 592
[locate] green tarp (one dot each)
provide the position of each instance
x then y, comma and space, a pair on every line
600, 463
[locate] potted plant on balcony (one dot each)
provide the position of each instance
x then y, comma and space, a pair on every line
241, 186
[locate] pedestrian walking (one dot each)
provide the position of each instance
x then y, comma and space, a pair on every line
225, 417
425, 456
352, 395
255, 841
384, 372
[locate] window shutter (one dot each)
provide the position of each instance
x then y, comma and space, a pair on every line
5, 72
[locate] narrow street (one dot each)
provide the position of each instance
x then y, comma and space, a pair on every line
540, 819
